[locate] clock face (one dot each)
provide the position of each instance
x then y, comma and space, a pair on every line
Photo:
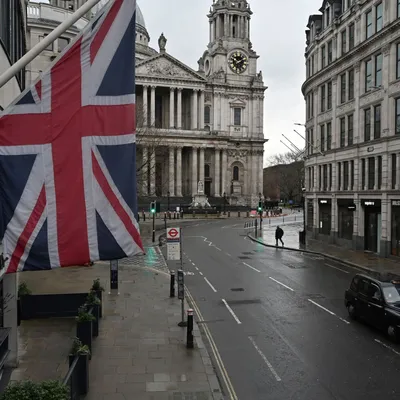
238, 62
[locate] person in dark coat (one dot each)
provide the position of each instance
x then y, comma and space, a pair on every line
279, 235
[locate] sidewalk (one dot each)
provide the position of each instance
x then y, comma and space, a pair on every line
364, 261
140, 352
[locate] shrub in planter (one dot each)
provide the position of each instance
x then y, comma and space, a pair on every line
84, 326
96, 287
23, 289
82, 366
28, 390
92, 301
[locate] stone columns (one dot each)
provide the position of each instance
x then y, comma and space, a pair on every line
224, 169
376, 164
179, 111
366, 174
172, 171
216, 113
201, 165
398, 171
194, 170
153, 106
145, 106
260, 172
254, 173
194, 108
342, 185
172, 108
226, 25
201, 108
217, 177
179, 171
145, 171
152, 171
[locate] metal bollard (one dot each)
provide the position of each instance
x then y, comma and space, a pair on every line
229, 214
144, 217
189, 332
169, 214
206, 214
194, 214
238, 214
175, 215
172, 285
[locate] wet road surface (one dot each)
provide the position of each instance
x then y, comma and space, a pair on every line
279, 322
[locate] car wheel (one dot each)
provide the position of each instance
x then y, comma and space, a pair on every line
352, 311
393, 334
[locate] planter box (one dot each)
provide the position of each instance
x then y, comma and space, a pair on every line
80, 376
95, 323
99, 294
84, 332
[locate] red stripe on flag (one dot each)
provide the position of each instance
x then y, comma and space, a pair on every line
105, 27
115, 203
27, 232
38, 87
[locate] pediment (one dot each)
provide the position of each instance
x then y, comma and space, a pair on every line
166, 66
236, 102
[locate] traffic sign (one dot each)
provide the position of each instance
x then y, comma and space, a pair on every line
173, 234
173, 251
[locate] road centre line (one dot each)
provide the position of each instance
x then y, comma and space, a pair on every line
271, 368
209, 284
328, 311
387, 346
280, 283
255, 269
231, 311
201, 273
339, 269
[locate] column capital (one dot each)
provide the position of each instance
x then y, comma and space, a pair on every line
146, 86
196, 90
153, 87
172, 89
179, 89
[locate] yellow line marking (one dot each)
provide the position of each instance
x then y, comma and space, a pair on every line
220, 363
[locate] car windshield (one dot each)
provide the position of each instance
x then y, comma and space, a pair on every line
392, 294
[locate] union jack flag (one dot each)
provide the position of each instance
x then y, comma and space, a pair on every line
67, 153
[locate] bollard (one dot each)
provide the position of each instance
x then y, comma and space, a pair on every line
194, 214
144, 217
177, 215
229, 214
247, 214
283, 221
174, 214
238, 214
206, 214
169, 214
189, 332
172, 285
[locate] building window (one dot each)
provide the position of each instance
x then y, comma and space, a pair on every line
368, 75
339, 175
351, 36
351, 84
323, 99
344, 42
319, 177
350, 130
342, 132
237, 116
235, 173
330, 51
379, 172
310, 215
346, 175
367, 125
322, 130
346, 221
325, 177
394, 170
368, 20
325, 219
207, 114
362, 173
207, 170
351, 174
397, 122
379, 17
377, 122
330, 176
329, 105
323, 56
343, 88
398, 60
378, 70
50, 46
328, 135
398, 8
371, 173
312, 140
62, 44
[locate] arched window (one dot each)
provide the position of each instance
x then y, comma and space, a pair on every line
207, 114
236, 173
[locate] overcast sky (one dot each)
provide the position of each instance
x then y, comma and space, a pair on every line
277, 33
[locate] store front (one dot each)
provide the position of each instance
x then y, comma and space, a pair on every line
325, 216
395, 228
310, 215
346, 209
372, 225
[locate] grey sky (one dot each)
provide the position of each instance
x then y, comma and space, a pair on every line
277, 34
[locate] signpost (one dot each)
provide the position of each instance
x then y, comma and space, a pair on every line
181, 295
113, 275
174, 244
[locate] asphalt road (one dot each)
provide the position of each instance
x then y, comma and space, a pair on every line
279, 323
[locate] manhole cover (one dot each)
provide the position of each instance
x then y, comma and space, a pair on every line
243, 302
244, 258
237, 289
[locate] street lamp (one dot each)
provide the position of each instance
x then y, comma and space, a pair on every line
168, 194
224, 203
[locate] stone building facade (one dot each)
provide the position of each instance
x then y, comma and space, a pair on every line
352, 93
204, 125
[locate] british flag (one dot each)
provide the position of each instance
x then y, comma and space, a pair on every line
67, 153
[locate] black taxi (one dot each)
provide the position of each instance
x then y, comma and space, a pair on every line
375, 301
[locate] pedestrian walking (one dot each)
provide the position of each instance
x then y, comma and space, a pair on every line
279, 235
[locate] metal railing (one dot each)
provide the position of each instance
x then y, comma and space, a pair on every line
72, 379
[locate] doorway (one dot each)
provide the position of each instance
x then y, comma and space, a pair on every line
371, 236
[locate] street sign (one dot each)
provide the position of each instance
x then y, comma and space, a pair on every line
173, 234
174, 244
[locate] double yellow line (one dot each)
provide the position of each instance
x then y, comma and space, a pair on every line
218, 359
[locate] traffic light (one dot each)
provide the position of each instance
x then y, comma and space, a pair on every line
153, 207
260, 206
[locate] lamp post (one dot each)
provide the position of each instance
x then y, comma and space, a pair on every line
168, 194
224, 203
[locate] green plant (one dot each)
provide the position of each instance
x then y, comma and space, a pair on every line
92, 299
23, 289
83, 315
96, 286
28, 390
78, 348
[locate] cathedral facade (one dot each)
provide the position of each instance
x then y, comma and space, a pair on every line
196, 128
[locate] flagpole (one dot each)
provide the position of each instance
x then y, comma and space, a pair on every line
36, 50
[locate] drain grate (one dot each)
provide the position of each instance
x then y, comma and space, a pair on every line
239, 289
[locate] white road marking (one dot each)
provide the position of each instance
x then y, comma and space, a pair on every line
280, 283
328, 311
209, 284
193, 263
201, 273
387, 347
217, 248
339, 269
196, 268
271, 368
255, 269
228, 254
231, 311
